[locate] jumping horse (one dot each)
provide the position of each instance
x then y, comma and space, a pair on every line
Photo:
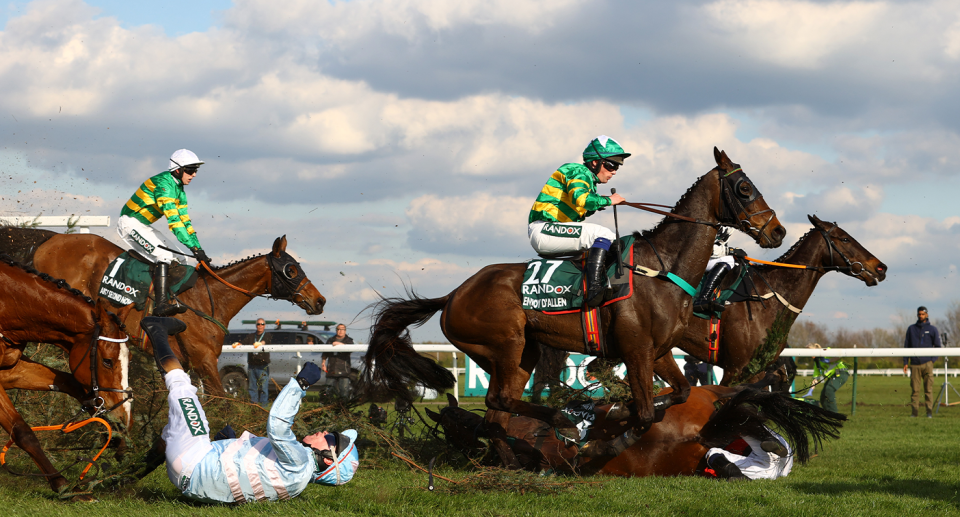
484, 316
36, 308
743, 348
713, 416
218, 295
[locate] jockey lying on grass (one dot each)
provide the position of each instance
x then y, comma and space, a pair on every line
249, 468
556, 226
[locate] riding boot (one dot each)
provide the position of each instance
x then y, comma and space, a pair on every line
163, 308
157, 330
706, 301
725, 468
596, 277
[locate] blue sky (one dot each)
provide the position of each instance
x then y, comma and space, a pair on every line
403, 142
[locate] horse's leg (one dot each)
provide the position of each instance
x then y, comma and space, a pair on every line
667, 368
30, 375
639, 360
23, 436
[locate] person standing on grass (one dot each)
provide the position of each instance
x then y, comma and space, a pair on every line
921, 334
337, 365
834, 376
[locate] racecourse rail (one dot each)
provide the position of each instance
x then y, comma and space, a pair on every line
855, 353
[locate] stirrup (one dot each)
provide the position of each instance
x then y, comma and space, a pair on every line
168, 309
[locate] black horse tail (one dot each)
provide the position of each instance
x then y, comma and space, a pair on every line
799, 422
391, 361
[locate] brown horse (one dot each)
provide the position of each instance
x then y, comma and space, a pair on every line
673, 446
484, 316
82, 259
746, 343
36, 308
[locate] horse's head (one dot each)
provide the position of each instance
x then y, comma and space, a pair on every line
461, 428
846, 253
109, 357
289, 282
742, 205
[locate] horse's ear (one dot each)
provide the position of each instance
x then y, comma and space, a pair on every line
452, 400
815, 220
279, 246
717, 154
433, 416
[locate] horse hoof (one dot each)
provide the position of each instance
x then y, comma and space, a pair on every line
775, 447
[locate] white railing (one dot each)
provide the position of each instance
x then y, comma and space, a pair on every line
83, 222
455, 370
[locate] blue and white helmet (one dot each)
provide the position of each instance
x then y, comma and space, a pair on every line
344, 466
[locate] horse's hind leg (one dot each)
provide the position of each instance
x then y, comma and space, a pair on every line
23, 436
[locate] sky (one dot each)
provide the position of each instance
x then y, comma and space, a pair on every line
400, 144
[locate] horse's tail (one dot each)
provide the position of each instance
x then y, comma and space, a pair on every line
391, 361
800, 422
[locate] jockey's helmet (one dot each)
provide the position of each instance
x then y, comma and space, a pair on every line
183, 158
604, 147
336, 454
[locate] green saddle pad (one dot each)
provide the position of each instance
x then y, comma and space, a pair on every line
557, 285
127, 280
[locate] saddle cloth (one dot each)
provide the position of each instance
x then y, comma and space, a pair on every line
556, 286
127, 280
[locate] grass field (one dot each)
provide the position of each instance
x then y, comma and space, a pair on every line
884, 464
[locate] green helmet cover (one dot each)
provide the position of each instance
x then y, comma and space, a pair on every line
603, 147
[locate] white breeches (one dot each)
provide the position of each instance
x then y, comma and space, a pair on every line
550, 238
144, 239
187, 432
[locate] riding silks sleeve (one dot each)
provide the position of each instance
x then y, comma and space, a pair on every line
172, 201
570, 195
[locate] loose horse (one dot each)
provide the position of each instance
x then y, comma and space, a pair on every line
745, 326
673, 446
484, 316
35, 308
82, 259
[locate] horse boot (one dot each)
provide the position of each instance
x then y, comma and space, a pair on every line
157, 330
725, 468
596, 276
163, 308
706, 301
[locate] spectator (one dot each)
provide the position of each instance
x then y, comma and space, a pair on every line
337, 364
833, 379
258, 365
921, 335
311, 340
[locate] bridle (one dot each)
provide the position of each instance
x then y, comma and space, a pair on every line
93, 398
283, 283
737, 191
852, 268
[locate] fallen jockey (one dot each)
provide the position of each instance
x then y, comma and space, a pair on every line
249, 468
749, 458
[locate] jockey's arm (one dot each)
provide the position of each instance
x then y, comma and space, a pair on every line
579, 187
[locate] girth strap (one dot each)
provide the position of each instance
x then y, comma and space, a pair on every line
782, 300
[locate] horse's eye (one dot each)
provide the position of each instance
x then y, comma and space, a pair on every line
107, 363
745, 189
291, 271
844, 240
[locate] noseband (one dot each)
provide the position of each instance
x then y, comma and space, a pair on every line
93, 397
737, 191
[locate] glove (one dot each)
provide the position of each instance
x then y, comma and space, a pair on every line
739, 253
309, 375
200, 255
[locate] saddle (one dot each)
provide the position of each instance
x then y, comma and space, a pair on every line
129, 277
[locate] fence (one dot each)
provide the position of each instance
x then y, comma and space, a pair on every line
83, 222
854, 353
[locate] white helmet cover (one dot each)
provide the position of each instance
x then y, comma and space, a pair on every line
183, 158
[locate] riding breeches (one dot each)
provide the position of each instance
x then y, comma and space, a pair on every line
759, 464
551, 238
726, 259
187, 432
147, 241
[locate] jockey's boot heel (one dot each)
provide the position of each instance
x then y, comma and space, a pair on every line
157, 330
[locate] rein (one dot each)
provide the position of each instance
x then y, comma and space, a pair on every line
646, 206
228, 284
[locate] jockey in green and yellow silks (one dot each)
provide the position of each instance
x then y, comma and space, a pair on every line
570, 196
163, 195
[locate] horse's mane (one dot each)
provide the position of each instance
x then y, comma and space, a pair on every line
649, 232
239, 261
59, 282
786, 254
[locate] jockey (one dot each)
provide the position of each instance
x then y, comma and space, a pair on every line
249, 468
720, 263
556, 226
750, 458
163, 196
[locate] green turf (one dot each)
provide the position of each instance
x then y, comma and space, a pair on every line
884, 464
